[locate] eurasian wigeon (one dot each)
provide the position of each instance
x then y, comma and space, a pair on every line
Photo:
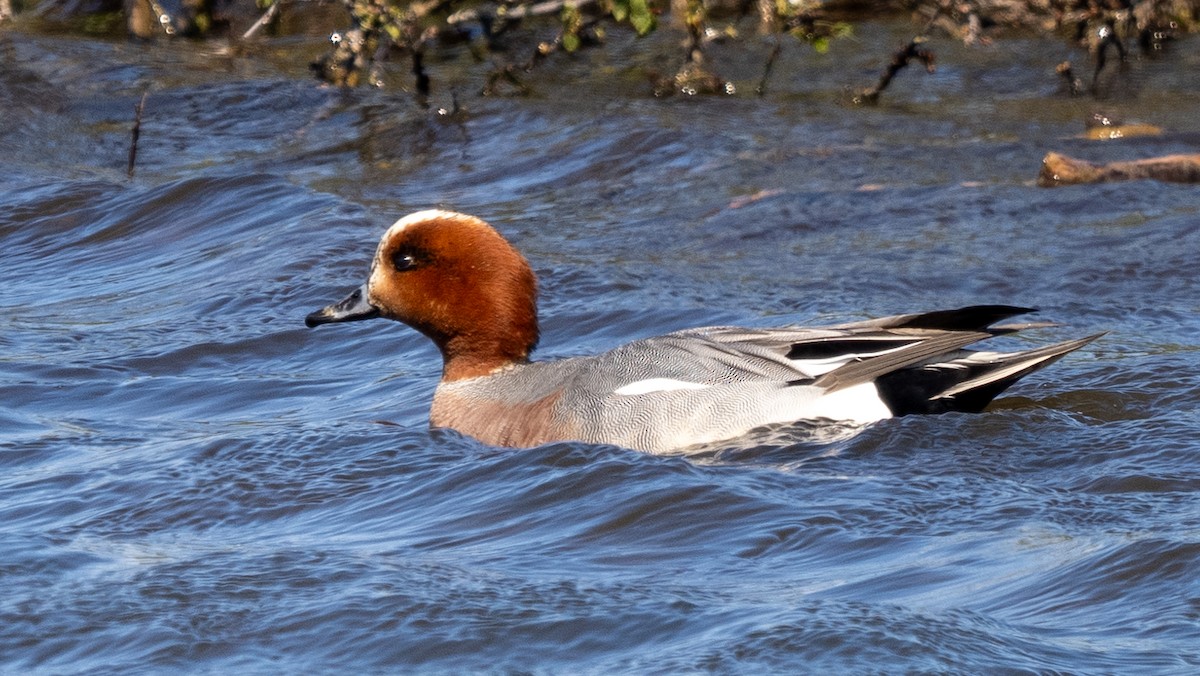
454, 278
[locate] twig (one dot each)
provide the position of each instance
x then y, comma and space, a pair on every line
517, 12
418, 70
135, 132
1074, 85
264, 20
455, 110
900, 59
693, 46
1108, 36
165, 20
761, 89
974, 28
913, 50
504, 73
508, 72
768, 17
942, 7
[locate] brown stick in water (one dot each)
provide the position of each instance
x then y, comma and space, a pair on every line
1058, 169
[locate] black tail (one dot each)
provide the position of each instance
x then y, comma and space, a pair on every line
967, 382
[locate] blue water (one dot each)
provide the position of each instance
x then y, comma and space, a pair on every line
192, 481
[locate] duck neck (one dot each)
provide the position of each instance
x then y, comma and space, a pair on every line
474, 356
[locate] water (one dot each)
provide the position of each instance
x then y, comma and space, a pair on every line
191, 480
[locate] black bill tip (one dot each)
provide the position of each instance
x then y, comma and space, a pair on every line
352, 308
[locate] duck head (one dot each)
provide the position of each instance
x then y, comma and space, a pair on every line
455, 279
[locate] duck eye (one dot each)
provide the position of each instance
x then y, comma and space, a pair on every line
404, 260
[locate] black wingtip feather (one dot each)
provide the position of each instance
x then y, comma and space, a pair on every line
972, 318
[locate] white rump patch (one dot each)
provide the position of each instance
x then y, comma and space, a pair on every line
658, 385
859, 404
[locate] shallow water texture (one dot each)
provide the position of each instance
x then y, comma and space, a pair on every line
190, 480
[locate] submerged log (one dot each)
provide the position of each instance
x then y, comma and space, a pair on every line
1058, 169
1107, 133
1103, 127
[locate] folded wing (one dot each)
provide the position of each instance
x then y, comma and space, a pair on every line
918, 362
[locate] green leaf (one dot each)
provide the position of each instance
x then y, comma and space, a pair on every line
641, 17
620, 10
643, 23
570, 42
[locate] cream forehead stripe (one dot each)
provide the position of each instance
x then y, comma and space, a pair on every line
419, 217
376, 275
427, 215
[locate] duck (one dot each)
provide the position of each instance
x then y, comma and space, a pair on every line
457, 280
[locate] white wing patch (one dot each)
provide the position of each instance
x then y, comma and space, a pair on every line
815, 368
657, 385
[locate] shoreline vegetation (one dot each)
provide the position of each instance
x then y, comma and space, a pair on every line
513, 38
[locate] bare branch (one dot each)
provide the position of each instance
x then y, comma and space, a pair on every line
518, 12
913, 50
264, 20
